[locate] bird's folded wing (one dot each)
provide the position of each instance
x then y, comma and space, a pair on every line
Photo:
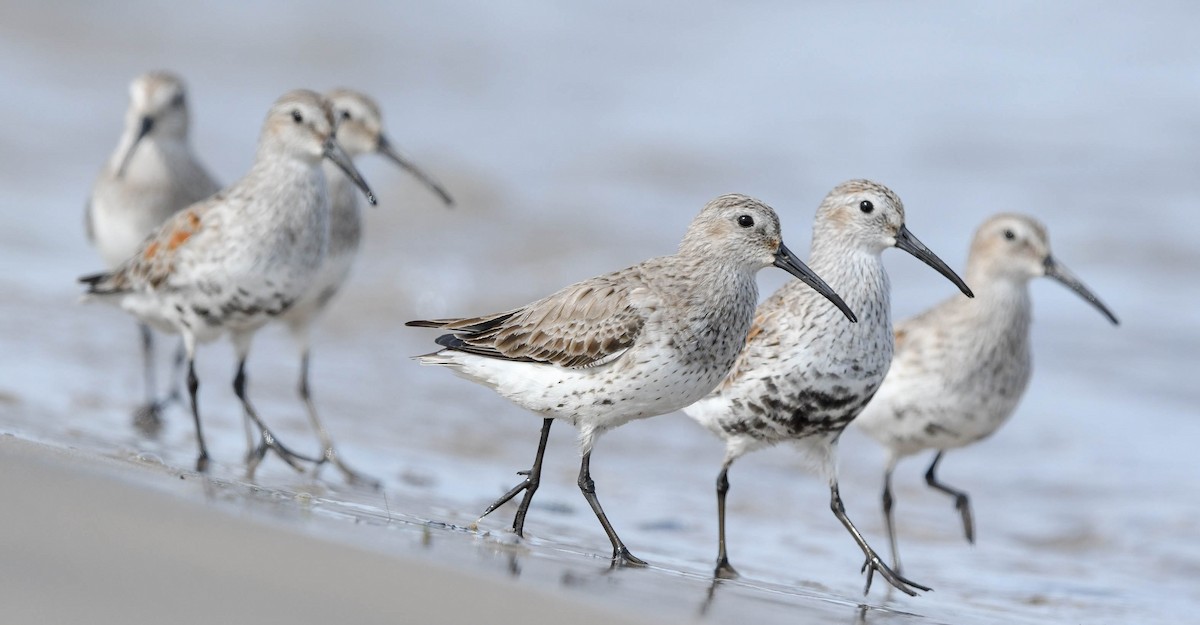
582, 325
156, 257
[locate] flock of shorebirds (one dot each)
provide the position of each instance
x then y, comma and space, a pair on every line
677, 332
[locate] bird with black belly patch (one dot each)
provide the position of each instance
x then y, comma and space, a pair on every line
636, 343
805, 373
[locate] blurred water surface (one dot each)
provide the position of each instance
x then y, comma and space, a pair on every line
579, 139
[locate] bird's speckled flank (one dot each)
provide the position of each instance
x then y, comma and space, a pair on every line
805, 373
632, 344
233, 262
961, 367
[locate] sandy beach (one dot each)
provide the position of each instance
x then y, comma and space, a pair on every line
127, 540
100, 540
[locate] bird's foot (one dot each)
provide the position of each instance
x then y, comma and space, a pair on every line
622, 558
963, 504
352, 477
725, 570
269, 442
875, 563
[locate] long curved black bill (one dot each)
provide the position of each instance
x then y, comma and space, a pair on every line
787, 261
907, 242
1056, 270
385, 148
335, 153
143, 130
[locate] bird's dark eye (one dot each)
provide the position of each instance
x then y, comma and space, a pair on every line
296, 116
745, 221
177, 101
866, 206
345, 115
1010, 235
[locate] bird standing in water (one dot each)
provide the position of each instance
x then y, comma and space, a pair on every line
805, 373
232, 263
961, 367
149, 177
359, 132
639, 342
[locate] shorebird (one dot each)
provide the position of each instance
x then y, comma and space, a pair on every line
235, 261
632, 344
149, 177
359, 132
805, 373
961, 367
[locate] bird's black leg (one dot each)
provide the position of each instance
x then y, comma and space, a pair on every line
193, 385
328, 453
888, 519
961, 501
874, 562
621, 555
724, 570
268, 438
529, 485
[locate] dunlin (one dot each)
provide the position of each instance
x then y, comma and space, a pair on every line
961, 367
805, 372
244, 256
628, 345
151, 176
359, 131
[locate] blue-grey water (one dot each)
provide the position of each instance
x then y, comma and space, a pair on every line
580, 138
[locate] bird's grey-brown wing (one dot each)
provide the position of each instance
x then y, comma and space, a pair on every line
156, 257
581, 325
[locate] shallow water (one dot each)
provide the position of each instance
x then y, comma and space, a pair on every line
581, 139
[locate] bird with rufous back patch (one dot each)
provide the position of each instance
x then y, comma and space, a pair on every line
233, 262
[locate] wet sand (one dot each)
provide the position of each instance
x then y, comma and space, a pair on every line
97, 540
102, 539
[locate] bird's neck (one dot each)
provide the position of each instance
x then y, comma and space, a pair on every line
858, 276
293, 183
154, 158
343, 194
345, 210
1001, 306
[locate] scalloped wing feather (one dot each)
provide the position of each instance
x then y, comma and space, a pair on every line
582, 325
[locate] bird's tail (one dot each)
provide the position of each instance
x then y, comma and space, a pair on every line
104, 283
438, 358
